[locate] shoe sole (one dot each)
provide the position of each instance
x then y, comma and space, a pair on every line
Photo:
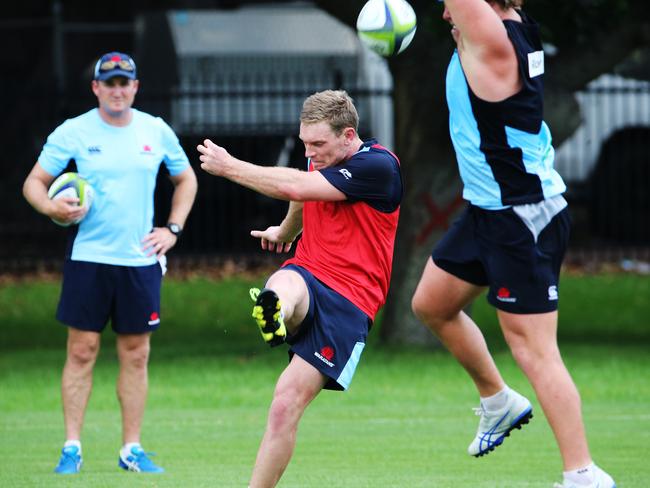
517, 424
269, 300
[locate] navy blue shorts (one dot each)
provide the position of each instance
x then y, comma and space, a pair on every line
333, 334
93, 293
495, 248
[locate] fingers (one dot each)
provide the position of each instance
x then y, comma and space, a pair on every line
158, 242
203, 148
282, 247
213, 157
66, 209
270, 240
70, 200
207, 146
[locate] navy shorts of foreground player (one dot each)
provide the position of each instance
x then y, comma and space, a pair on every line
333, 334
517, 252
93, 293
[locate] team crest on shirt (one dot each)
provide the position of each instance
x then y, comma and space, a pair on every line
326, 355
146, 149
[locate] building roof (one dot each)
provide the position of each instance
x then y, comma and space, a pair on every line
261, 30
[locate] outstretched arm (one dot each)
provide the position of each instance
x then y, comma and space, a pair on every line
487, 54
281, 183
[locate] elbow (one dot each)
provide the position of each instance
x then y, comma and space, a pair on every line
26, 186
291, 193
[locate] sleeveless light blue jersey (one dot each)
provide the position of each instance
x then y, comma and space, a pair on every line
504, 150
121, 164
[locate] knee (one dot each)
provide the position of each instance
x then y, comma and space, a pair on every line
524, 357
427, 312
420, 308
535, 358
82, 353
286, 410
135, 356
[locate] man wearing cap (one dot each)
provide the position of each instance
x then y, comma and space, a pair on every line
115, 258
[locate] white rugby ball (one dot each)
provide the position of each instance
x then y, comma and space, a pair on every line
386, 26
72, 185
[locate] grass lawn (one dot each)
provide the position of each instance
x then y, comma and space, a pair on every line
405, 422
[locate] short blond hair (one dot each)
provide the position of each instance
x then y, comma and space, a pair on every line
335, 107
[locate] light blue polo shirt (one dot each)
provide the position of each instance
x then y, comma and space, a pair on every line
121, 164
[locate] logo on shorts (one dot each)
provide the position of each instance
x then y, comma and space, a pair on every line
503, 295
154, 319
326, 354
552, 292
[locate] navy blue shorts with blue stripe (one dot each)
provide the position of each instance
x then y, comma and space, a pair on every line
333, 334
495, 248
94, 293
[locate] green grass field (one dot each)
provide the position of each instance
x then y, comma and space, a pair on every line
405, 422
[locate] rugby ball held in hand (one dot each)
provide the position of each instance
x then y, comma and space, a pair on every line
73, 186
386, 26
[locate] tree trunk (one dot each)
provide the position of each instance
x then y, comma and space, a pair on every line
431, 181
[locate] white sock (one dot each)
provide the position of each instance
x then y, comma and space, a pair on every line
73, 442
126, 449
496, 401
581, 476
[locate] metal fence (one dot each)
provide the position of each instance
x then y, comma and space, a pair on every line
610, 199
224, 213
606, 163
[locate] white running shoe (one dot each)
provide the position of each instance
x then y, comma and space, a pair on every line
495, 426
601, 480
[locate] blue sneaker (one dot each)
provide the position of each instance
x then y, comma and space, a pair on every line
70, 462
138, 461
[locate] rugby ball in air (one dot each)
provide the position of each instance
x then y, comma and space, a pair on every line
386, 26
72, 185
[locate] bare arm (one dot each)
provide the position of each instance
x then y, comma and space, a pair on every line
280, 238
487, 54
185, 187
35, 192
160, 239
281, 183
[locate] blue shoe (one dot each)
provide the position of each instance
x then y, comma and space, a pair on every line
138, 461
70, 462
